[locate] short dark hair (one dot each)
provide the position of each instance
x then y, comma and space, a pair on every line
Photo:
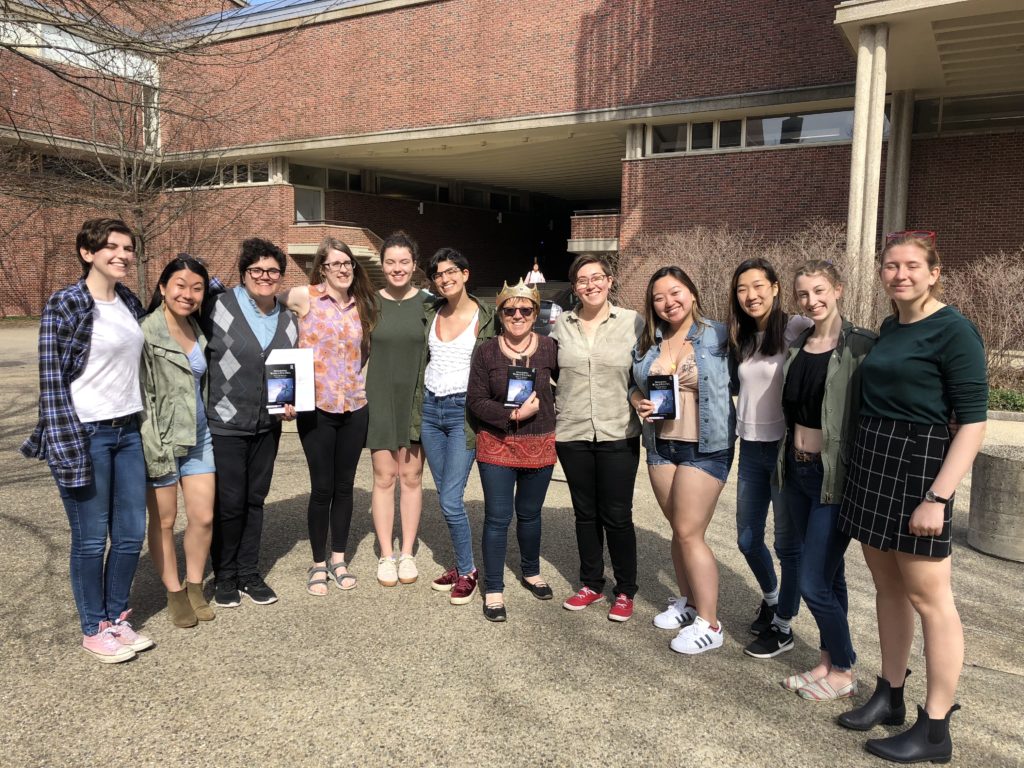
447, 254
400, 239
93, 237
588, 258
255, 249
179, 263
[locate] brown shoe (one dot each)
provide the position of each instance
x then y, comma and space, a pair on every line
182, 613
195, 597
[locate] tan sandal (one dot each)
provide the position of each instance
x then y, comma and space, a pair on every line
795, 682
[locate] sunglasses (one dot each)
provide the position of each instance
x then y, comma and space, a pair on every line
920, 234
511, 311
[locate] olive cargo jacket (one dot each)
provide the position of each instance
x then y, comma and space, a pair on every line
839, 408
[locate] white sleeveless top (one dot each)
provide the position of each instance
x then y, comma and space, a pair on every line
448, 370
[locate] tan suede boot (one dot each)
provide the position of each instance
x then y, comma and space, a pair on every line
182, 614
202, 608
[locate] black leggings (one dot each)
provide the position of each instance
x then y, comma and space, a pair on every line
332, 443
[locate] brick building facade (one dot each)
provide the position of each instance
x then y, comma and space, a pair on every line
484, 124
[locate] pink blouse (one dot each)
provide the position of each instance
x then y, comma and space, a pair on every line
335, 334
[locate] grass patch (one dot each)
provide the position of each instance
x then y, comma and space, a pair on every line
1005, 400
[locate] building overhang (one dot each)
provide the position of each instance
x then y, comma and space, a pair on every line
944, 47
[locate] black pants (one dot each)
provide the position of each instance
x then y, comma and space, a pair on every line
332, 443
601, 477
245, 467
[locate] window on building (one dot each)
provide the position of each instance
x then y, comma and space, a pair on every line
337, 179
702, 136
150, 117
668, 138
474, 197
309, 204
730, 133
259, 173
969, 113
307, 175
409, 189
800, 128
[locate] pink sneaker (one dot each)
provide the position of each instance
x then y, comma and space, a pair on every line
105, 647
622, 610
586, 596
464, 588
127, 636
446, 580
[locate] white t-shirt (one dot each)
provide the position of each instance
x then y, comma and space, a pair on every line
447, 372
109, 385
759, 416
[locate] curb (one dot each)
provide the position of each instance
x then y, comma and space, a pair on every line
1006, 416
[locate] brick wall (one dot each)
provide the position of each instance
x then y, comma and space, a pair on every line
468, 60
603, 227
970, 190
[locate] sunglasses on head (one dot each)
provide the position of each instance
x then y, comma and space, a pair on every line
511, 311
920, 234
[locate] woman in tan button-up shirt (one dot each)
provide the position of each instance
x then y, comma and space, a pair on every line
597, 433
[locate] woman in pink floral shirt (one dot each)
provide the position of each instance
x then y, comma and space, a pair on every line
336, 316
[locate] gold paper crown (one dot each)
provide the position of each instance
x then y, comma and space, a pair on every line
518, 291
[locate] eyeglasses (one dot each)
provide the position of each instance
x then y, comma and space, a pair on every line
337, 266
511, 311
597, 281
256, 272
920, 234
450, 272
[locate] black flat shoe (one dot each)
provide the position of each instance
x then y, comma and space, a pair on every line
540, 590
495, 612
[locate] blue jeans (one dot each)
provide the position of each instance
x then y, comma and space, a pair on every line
508, 490
114, 502
754, 491
822, 572
443, 434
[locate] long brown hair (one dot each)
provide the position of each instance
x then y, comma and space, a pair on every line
648, 338
361, 289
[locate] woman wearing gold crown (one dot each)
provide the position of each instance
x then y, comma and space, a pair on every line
510, 395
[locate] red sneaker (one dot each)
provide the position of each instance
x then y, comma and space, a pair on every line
586, 596
464, 588
445, 581
622, 610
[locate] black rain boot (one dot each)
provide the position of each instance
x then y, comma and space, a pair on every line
885, 706
927, 739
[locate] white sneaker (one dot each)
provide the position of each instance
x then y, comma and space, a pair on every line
697, 638
407, 572
387, 572
677, 615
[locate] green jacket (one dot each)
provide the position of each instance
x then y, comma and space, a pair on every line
168, 425
839, 408
486, 329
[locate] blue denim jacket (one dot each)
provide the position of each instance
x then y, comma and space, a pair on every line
716, 412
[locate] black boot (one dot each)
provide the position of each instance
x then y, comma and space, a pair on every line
927, 739
885, 706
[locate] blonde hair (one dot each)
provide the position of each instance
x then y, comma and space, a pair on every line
926, 244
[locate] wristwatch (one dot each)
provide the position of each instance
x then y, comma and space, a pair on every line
930, 496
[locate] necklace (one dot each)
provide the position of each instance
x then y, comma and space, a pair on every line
674, 358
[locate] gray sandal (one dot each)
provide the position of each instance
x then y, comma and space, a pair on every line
345, 581
313, 581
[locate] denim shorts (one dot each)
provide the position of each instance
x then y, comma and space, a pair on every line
685, 454
198, 461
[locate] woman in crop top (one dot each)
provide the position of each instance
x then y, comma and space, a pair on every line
688, 457
90, 348
927, 368
176, 437
821, 399
456, 324
336, 313
759, 332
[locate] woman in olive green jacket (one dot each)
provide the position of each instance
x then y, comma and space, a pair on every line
821, 400
454, 327
175, 437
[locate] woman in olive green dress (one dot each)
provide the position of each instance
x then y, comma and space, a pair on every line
396, 349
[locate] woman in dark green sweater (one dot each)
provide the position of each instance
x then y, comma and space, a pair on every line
926, 370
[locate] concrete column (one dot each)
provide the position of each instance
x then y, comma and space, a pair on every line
873, 165
897, 176
634, 141
858, 281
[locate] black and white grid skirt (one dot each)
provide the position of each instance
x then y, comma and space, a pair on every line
893, 466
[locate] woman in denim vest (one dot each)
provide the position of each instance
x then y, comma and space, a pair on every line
688, 457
